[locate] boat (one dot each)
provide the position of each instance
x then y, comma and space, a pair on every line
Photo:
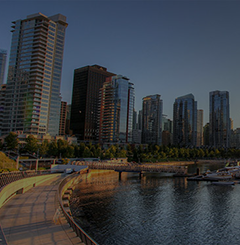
222, 175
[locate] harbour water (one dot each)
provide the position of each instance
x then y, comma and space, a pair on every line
157, 209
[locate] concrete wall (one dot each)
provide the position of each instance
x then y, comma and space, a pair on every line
21, 186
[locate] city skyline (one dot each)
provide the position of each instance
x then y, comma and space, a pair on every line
170, 48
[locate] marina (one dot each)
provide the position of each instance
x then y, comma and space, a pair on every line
222, 176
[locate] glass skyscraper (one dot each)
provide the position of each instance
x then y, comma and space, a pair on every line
152, 120
116, 107
85, 97
32, 101
3, 57
185, 121
199, 127
219, 119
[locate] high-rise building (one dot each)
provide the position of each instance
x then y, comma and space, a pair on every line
32, 101
85, 97
67, 129
199, 127
167, 124
135, 123
116, 107
206, 134
219, 119
166, 138
2, 105
185, 121
231, 123
152, 120
3, 57
63, 117
235, 138
167, 130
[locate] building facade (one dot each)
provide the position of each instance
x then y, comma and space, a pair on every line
32, 101
199, 127
167, 130
116, 105
167, 124
152, 120
3, 58
2, 105
85, 98
206, 134
67, 129
235, 138
219, 119
63, 118
185, 121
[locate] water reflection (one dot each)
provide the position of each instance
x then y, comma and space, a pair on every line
156, 210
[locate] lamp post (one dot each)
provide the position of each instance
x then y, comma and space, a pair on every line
37, 160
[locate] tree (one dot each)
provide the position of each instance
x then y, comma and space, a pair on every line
43, 148
182, 152
62, 148
201, 153
122, 153
87, 152
81, 149
97, 151
11, 141
76, 150
69, 151
53, 149
31, 144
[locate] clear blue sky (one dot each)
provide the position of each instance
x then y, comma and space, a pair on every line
171, 48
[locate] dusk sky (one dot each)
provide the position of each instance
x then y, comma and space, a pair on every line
171, 48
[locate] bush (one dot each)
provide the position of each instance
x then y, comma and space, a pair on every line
7, 163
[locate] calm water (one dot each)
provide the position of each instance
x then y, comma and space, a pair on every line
157, 210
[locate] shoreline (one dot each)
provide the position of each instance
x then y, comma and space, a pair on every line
182, 163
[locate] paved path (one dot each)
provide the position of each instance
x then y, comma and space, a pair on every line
27, 219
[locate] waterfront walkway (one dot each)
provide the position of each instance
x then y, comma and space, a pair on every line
30, 218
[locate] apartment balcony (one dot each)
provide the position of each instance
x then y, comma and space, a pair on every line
38, 51
41, 26
36, 80
37, 61
38, 71
33, 86
40, 39
36, 74
38, 48
38, 58
40, 42
40, 30
37, 67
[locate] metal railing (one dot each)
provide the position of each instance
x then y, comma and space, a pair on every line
77, 229
9, 177
3, 240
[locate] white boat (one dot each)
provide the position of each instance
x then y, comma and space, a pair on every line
218, 176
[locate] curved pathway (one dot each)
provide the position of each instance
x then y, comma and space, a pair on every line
30, 218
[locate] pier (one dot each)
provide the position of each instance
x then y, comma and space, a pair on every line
150, 168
